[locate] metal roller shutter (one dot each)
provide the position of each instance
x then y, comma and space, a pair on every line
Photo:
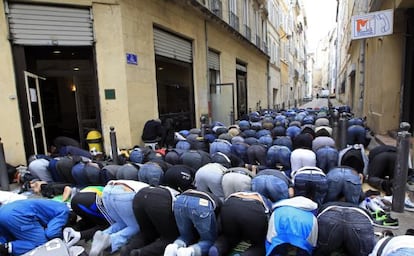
213, 60
50, 25
171, 46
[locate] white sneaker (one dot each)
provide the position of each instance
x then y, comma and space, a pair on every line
408, 205
171, 250
185, 251
372, 205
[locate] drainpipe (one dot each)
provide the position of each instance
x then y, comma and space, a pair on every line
362, 66
207, 74
362, 79
269, 97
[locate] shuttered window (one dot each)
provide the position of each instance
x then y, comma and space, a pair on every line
213, 60
171, 46
50, 25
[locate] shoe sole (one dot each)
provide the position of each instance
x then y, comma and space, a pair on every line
409, 209
384, 226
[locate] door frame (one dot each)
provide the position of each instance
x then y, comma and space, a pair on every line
29, 97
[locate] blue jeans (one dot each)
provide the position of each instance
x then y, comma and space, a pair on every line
271, 187
240, 150
183, 144
355, 135
118, 204
292, 131
220, 146
256, 154
347, 228
151, 173
79, 174
343, 181
312, 186
278, 155
262, 132
283, 141
326, 158
266, 140
195, 218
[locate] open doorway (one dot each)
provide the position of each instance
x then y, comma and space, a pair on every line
68, 92
175, 92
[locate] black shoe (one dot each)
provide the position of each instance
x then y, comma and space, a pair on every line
384, 220
410, 232
386, 186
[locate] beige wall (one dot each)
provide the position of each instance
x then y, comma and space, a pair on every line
10, 128
383, 79
122, 27
138, 19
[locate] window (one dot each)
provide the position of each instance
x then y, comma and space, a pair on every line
233, 6
246, 15
233, 18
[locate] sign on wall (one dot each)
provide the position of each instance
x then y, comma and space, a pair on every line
132, 59
372, 24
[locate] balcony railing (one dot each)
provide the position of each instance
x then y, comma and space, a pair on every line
216, 7
258, 41
234, 21
247, 32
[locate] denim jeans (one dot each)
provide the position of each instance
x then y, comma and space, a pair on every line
283, 141
118, 204
266, 140
311, 185
278, 155
87, 174
355, 135
195, 218
262, 132
183, 144
195, 158
256, 154
343, 181
151, 173
271, 187
79, 174
326, 158
208, 179
222, 146
278, 131
292, 131
127, 172
347, 228
240, 150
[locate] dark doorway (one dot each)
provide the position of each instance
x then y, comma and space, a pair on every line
175, 92
69, 93
407, 90
241, 76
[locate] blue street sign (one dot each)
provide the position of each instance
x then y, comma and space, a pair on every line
132, 59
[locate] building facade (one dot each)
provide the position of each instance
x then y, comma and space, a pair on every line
287, 48
375, 74
75, 66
